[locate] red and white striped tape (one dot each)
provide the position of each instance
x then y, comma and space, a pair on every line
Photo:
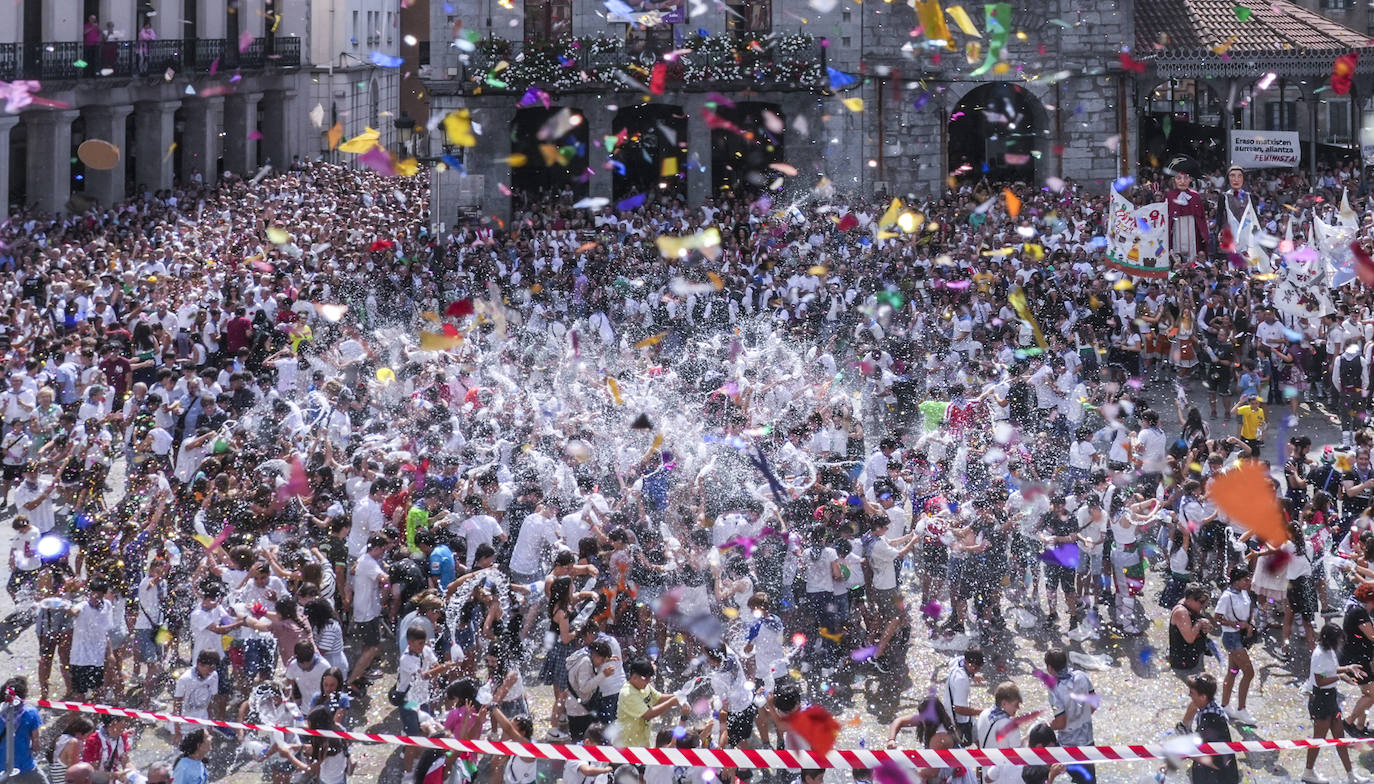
757, 758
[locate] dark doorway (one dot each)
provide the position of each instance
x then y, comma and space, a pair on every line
549, 155
19, 170
998, 131
743, 151
231, 32
650, 153
33, 38
179, 172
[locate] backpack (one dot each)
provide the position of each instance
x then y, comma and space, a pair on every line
1350, 372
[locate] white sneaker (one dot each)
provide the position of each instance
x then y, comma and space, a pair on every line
1231, 713
1244, 717
1310, 776
1356, 778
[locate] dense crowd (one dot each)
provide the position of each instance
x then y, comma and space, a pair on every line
275, 450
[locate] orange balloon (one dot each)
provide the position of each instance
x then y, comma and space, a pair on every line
1247, 496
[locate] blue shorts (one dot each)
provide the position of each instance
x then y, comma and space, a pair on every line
1232, 641
148, 649
410, 721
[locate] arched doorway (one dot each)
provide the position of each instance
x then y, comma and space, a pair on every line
743, 149
1183, 117
998, 131
549, 155
650, 150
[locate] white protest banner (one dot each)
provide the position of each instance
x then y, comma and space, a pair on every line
1265, 149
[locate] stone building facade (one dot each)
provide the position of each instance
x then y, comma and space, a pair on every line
894, 128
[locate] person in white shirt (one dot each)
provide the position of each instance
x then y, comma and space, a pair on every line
33, 499
24, 560
306, 670
995, 729
363, 594
93, 621
368, 519
1152, 453
538, 531
195, 690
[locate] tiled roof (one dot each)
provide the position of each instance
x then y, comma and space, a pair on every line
1274, 26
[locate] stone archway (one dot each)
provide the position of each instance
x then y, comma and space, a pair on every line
548, 148
999, 131
746, 141
650, 153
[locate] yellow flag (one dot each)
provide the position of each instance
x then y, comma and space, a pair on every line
651, 340
615, 391
458, 128
408, 167
894, 210
335, 135
669, 167
362, 142
933, 21
438, 341
854, 104
1017, 298
961, 18
1013, 202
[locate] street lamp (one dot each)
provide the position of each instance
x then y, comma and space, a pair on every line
405, 130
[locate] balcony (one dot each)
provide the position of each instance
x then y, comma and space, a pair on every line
718, 62
63, 60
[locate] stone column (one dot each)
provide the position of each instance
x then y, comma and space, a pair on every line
489, 159
7, 123
240, 121
154, 128
276, 131
107, 123
50, 158
121, 12
210, 19
200, 139
698, 150
599, 126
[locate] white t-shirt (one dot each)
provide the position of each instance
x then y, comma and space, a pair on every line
40, 516
1324, 663
818, 576
196, 693
1081, 455
882, 561
408, 674
91, 634
478, 530
367, 597
25, 549
536, 532
308, 681
1234, 606
956, 690
202, 638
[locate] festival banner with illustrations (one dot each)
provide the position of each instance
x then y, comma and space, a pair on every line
1137, 241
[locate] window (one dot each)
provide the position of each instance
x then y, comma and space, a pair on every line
547, 20
1335, 5
354, 36
750, 16
1280, 116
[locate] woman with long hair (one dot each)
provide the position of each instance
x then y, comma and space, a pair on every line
328, 633
1324, 704
1236, 615
66, 750
555, 669
329, 760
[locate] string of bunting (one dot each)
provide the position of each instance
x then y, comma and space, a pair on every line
846, 759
